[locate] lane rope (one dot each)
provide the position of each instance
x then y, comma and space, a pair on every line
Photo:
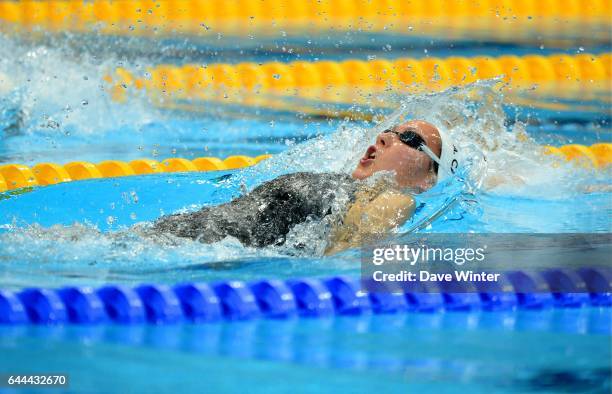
15, 176
304, 297
503, 19
354, 80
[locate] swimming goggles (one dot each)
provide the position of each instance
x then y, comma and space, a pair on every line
415, 141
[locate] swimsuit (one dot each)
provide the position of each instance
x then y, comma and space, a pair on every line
267, 214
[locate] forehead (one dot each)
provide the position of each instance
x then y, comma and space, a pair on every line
426, 130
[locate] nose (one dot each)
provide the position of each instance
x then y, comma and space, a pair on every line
384, 139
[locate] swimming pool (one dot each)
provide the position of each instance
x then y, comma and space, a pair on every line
58, 109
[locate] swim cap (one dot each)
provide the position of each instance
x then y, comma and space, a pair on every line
449, 159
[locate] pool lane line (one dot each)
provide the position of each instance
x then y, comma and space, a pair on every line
302, 297
16, 176
594, 156
505, 20
353, 81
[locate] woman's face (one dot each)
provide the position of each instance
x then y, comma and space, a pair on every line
412, 168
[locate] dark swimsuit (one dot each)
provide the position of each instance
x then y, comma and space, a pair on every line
266, 215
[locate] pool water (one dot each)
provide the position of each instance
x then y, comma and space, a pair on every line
82, 233
533, 351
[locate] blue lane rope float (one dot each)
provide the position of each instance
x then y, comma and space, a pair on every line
309, 297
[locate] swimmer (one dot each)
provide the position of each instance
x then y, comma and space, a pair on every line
416, 152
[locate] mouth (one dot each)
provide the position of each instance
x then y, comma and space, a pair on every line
369, 156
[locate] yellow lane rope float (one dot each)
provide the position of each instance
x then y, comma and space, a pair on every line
15, 176
506, 19
353, 81
594, 156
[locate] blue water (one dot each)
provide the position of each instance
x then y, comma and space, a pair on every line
510, 352
514, 352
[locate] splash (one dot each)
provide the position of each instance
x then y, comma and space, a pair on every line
473, 115
124, 248
502, 158
50, 98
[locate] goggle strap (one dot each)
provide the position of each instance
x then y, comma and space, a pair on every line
429, 153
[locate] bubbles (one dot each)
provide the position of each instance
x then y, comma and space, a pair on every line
49, 85
83, 249
473, 115
502, 159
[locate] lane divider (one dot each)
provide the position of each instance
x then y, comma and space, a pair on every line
15, 176
511, 19
594, 156
309, 297
339, 81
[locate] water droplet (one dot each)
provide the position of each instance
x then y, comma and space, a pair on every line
52, 124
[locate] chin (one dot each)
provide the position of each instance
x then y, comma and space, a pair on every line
360, 174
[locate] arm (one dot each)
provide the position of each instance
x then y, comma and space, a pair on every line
366, 221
